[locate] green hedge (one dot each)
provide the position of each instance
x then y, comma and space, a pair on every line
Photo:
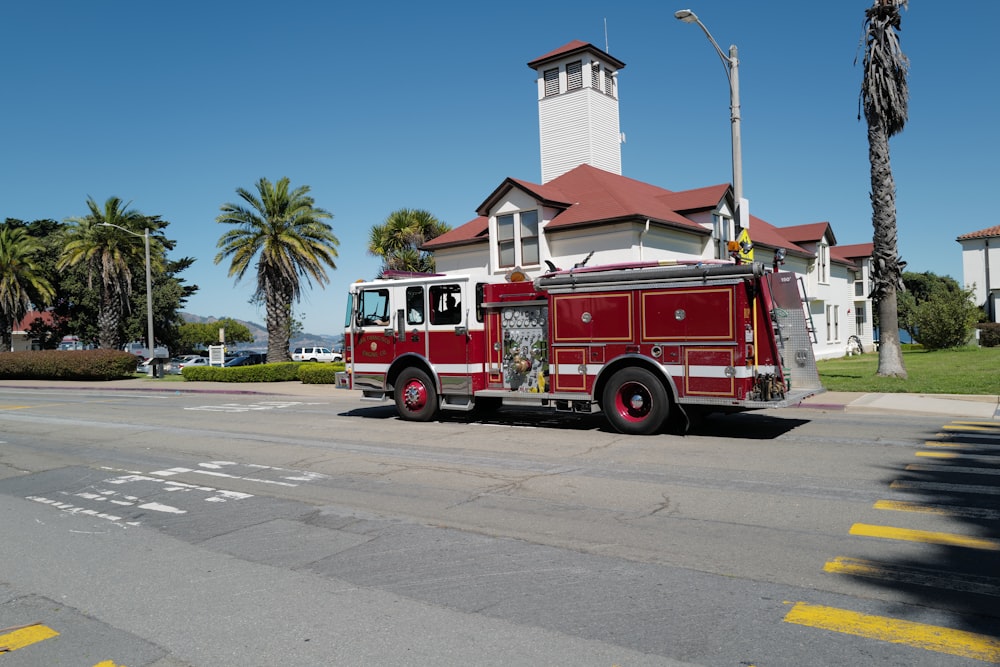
320, 373
67, 365
283, 372
989, 334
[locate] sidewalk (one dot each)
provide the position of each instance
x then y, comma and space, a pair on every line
970, 406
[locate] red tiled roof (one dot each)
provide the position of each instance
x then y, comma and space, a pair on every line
989, 232
814, 231
587, 196
856, 251
475, 230
571, 48
25, 323
763, 233
599, 196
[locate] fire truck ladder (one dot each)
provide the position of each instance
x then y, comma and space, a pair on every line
810, 327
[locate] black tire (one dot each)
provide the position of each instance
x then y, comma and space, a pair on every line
416, 397
635, 401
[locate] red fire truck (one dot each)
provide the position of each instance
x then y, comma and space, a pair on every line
639, 342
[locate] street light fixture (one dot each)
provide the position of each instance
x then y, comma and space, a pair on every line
732, 65
149, 285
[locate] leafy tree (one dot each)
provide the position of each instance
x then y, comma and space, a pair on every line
398, 239
169, 296
936, 311
920, 287
195, 335
885, 100
22, 283
282, 233
110, 255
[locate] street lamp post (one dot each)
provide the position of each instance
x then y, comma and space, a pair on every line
149, 287
732, 65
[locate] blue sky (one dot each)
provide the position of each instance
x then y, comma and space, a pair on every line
380, 106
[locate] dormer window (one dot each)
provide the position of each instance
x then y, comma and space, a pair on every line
517, 239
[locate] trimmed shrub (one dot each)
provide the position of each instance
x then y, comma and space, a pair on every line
320, 373
67, 365
989, 334
282, 372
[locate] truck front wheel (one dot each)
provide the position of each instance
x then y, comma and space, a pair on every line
635, 401
416, 397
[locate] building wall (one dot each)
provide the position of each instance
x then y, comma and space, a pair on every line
977, 255
579, 127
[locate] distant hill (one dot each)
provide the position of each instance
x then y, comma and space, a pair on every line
259, 333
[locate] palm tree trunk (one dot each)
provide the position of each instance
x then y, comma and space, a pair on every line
278, 305
887, 271
109, 318
6, 333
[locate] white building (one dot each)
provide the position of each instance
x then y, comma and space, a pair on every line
981, 268
585, 210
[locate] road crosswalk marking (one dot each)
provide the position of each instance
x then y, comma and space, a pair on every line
23, 636
929, 637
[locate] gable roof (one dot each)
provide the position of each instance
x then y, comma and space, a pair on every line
573, 48
589, 196
763, 233
855, 251
810, 233
474, 231
987, 233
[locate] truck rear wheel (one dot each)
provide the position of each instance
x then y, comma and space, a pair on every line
416, 397
635, 401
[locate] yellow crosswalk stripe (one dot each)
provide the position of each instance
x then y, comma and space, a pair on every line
919, 635
925, 536
26, 636
942, 510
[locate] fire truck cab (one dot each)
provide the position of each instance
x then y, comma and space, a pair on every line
638, 342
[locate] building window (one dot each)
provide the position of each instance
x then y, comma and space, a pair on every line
860, 318
832, 323
595, 76
823, 262
574, 75
609, 83
551, 77
517, 239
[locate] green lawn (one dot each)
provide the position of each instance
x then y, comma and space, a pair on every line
968, 370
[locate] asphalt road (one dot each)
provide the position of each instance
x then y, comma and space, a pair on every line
169, 529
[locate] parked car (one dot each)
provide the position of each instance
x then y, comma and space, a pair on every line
180, 363
247, 359
321, 354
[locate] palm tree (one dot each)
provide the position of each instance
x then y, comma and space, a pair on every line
285, 232
885, 97
108, 254
398, 239
22, 282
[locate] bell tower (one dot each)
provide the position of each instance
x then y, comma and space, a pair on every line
578, 109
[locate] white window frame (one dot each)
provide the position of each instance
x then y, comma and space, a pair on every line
522, 244
823, 263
